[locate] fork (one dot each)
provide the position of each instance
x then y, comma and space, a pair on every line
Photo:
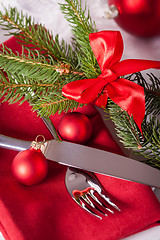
84, 187
87, 191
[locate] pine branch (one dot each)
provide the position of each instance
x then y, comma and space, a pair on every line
126, 128
127, 131
29, 65
46, 65
151, 146
36, 37
44, 97
82, 25
42, 68
24, 28
47, 106
152, 91
32, 65
76, 16
19, 88
34, 78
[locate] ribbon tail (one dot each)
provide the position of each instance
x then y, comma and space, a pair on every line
81, 90
130, 97
129, 66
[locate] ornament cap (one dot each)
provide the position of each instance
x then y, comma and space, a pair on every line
38, 145
111, 12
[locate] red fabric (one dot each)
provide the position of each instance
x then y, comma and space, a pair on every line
107, 47
46, 211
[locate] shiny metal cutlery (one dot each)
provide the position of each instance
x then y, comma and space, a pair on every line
84, 187
88, 193
91, 159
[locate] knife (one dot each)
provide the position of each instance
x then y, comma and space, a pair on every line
91, 159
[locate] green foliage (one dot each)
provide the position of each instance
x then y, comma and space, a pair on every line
126, 128
28, 65
82, 25
47, 64
46, 106
152, 91
43, 68
28, 33
149, 144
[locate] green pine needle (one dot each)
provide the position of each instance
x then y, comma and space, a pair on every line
47, 64
82, 25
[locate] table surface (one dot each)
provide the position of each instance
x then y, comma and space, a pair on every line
48, 12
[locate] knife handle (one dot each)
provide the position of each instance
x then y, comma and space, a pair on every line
13, 144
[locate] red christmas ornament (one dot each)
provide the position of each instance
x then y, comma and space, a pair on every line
138, 17
75, 127
30, 166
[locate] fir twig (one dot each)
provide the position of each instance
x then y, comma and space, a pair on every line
151, 145
36, 37
127, 131
46, 106
32, 65
23, 27
82, 25
152, 91
46, 65
126, 128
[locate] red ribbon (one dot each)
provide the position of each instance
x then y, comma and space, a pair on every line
107, 47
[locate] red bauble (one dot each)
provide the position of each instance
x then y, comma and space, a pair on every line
30, 166
139, 17
75, 127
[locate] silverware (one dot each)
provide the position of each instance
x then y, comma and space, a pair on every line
91, 159
87, 184
88, 193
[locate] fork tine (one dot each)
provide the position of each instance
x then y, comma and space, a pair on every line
108, 200
88, 207
99, 202
97, 205
88, 193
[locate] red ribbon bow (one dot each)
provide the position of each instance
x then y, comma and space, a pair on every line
107, 47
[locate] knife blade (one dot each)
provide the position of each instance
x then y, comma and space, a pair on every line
91, 159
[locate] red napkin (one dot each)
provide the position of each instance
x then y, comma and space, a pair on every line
46, 211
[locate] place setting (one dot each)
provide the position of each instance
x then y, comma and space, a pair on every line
64, 174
